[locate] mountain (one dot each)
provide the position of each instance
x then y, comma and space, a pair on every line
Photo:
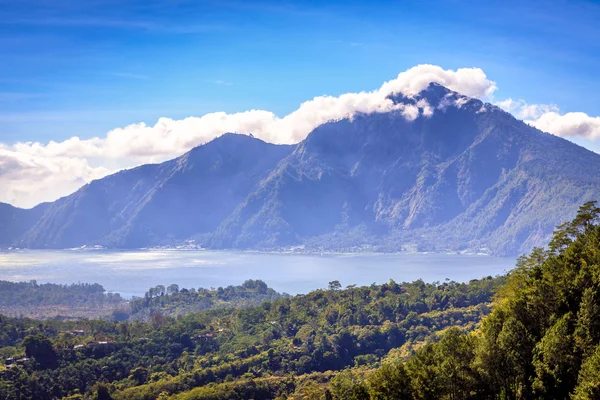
159, 203
14, 222
470, 176
463, 175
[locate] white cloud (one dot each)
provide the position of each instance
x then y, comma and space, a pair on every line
547, 118
522, 110
471, 82
568, 125
532, 111
35, 172
25, 177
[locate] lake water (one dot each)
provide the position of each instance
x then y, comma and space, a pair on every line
133, 272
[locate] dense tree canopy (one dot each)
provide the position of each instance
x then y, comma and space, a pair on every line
244, 350
542, 339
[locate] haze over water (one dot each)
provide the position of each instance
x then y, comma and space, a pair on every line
133, 272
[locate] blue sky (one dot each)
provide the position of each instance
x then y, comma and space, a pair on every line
89, 87
81, 68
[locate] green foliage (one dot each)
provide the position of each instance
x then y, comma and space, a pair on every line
214, 350
349, 385
544, 324
588, 383
34, 294
540, 341
41, 349
390, 382
48, 299
268, 388
173, 301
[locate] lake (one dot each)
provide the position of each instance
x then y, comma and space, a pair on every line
133, 272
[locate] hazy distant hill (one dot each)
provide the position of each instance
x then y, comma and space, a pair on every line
14, 222
468, 177
159, 204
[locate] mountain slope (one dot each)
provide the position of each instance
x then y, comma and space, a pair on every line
14, 221
468, 176
159, 204
462, 175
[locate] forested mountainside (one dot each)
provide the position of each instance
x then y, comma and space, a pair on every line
463, 175
270, 344
538, 337
541, 341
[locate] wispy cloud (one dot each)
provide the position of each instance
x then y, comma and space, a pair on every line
282, 8
221, 82
521, 109
355, 43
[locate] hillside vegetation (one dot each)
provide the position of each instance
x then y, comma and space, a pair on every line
538, 337
173, 301
262, 346
83, 300
541, 341
52, 300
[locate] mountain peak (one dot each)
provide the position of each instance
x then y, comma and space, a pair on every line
460, 177
230, 138
435, 94
438, 89
235, 136
439, 96
234, 144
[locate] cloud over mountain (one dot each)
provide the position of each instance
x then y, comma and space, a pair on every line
27, 179
547, 118
42, 172
34, 172
569, 124
521, 109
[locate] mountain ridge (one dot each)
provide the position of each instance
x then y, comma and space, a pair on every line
144, 190
462, 175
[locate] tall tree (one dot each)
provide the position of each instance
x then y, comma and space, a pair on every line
390, 382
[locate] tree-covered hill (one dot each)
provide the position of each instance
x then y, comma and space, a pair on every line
47, 300
173, 301
541, 341
260, 347
33, 294
84, 300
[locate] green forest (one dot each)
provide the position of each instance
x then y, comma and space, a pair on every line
53, 300
533, 334
83, 300
173, 301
